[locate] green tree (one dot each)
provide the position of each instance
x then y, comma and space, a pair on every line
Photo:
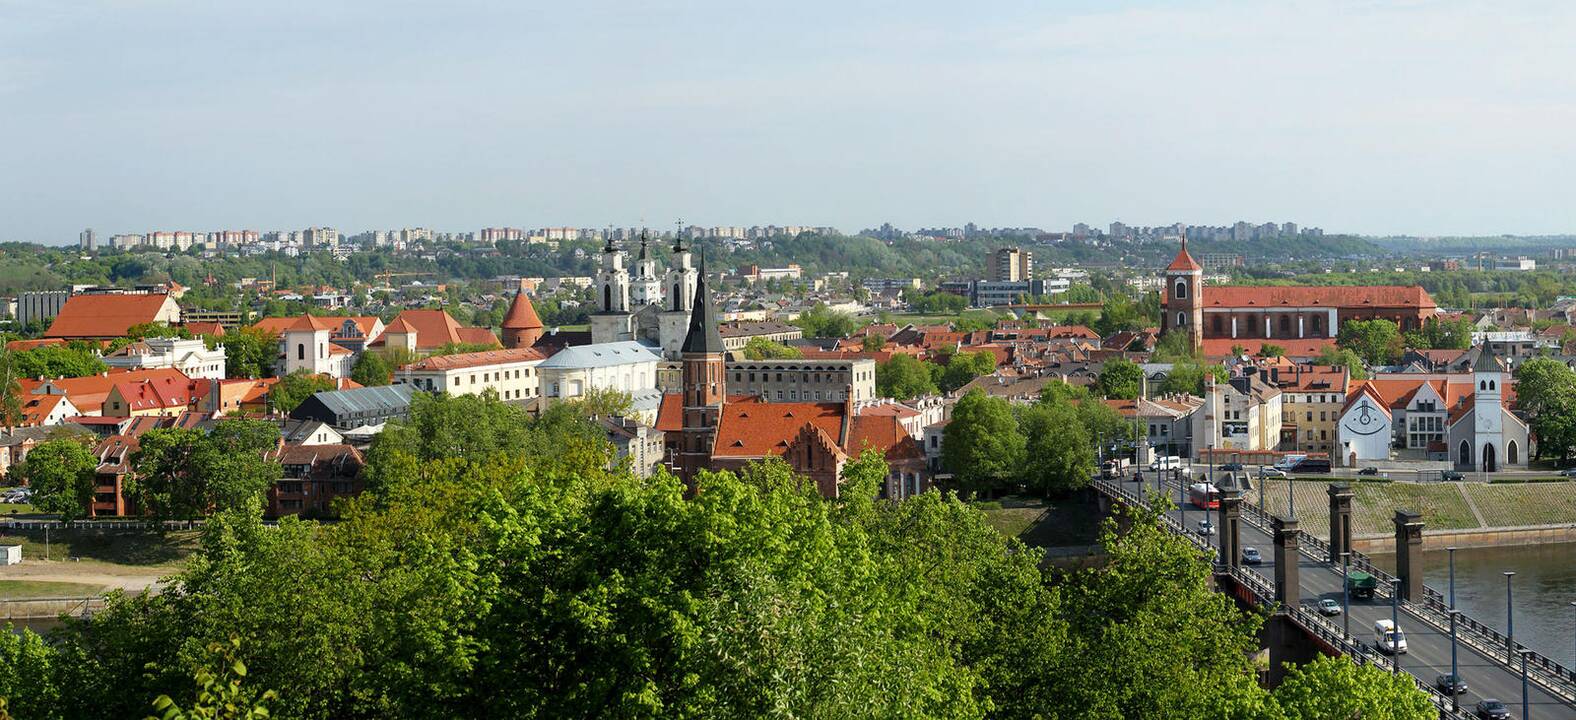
1059, 454
936, 303
1172, 347
963, 367
759, 348
220, 695
1546, 391
1271, 350
250, 353
1335, 687
28, 674
1377, 342
183, 474
61, 473
371, 369
1120, 379
1343, 357
982, 446
904, 377
290, 390
820, 321
56, 361
872, 342
11, 396
1440, 334
1188, 377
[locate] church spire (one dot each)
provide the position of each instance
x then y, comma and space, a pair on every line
703, 336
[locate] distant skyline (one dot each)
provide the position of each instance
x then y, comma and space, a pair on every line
1418, 118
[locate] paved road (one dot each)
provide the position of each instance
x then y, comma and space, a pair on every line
1428, 653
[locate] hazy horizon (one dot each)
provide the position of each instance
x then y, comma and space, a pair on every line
1409, 118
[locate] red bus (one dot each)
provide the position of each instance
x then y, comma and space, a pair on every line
1203, 496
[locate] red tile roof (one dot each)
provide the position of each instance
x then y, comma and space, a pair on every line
476, 359
105, 316
436, 328
522, 316
1183, 261
205, 328
161, 394
88, 393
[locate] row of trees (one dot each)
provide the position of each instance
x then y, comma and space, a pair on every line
1047, 447
501, 566
179, 473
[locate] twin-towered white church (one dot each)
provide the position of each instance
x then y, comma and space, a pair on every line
643, 306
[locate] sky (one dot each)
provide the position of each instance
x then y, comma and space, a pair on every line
1420, 117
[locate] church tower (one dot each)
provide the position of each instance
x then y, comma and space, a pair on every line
1488, 413
612, 321
647, 288
1183, 298
704, 383
681, 285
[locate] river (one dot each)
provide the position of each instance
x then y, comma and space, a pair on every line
1544, 588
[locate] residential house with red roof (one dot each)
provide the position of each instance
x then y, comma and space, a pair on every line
422, 331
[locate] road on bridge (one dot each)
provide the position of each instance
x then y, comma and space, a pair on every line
1428, 647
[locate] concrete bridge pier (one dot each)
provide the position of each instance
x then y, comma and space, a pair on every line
1288, 591
1340, 520
1409, 554
1288, 645
1230, 527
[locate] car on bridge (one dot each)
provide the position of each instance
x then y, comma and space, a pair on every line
1451, 684
1205, 527
1491, 709
1231, 467
1451, 476
1270, 472
1329, 608
1251, 556
1370, 470
1388, 638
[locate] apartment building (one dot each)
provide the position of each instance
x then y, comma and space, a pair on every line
1011, 264
803, 380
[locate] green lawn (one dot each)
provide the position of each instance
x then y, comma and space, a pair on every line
1526, 503
142, 549
1373, 509
17, 509
29, 589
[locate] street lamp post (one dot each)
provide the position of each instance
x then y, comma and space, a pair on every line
1525, 710
1455, 669
1395, 625
1510, 619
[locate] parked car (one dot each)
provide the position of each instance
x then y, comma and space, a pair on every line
1370, 470
1270, 472
1328, 607
1451, 476
1206, 528
1250, 555
1491, 709
1450, 684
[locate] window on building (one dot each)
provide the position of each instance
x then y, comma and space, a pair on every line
1181, 289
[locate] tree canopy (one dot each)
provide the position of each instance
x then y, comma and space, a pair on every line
1120, 379
1377, 341
905, 377
759, 348
290, 390
820, 321
506, 568
61, 473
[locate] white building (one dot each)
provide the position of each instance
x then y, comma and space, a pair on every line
511, 373
191, 357
305, 346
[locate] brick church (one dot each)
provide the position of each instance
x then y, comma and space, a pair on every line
705, 428
1301, 318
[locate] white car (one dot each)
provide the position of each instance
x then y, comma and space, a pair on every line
1270, 472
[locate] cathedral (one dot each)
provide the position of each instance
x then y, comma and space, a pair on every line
638, 304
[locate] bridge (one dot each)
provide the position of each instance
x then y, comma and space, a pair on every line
1303, 569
